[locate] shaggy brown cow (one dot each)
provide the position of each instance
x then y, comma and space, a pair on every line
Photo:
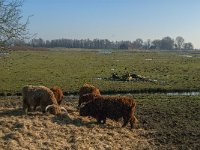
87, 89
42, 96
113, 107
58, 94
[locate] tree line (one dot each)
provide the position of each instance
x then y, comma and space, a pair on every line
166, 43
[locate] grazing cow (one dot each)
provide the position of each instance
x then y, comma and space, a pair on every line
42, 96
112, 107
87, 89
58, 93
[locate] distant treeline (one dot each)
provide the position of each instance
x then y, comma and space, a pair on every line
166, 43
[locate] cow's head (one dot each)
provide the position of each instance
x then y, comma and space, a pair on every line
85, 99
85, 109
55, 109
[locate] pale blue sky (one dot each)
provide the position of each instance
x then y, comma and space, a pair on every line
114, 19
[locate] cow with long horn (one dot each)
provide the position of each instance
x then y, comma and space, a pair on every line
42, 96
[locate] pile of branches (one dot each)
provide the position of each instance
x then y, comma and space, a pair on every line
130, 77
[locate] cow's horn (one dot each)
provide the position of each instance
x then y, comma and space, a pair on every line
85, 95
83, 104
62, 108
49, 106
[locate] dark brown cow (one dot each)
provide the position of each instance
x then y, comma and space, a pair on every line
112, 107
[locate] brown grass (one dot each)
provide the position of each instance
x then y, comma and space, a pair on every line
45, 131
165, 122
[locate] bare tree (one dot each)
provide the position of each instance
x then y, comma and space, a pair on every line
188, 46
179, 42
147, 44
11, 25
138, 43
156, 44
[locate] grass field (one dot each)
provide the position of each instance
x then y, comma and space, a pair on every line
165, 121
70, 69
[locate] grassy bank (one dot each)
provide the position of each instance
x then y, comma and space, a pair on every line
70, 69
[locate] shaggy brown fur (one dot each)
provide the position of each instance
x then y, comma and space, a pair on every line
58, 93
113, 107
87, 89
42, 96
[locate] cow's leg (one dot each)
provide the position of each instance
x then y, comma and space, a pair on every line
26, 107
133, 121
126, 120
104, 120
36, 103
34, 108
98, 120
102, 117
43, 107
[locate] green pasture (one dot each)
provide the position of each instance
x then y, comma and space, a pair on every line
70, 69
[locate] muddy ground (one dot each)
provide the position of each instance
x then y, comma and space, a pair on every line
45, 131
